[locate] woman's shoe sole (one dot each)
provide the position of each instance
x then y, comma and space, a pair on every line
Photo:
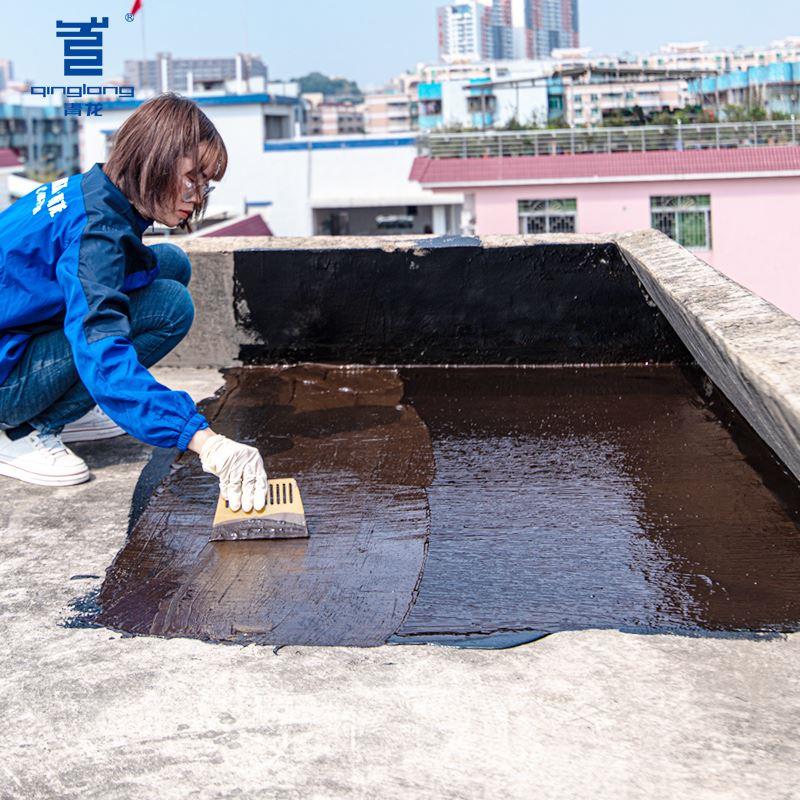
90, 435
43, 480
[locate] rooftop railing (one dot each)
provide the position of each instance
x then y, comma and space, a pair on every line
632, 139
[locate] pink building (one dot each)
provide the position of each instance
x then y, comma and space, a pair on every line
738, 209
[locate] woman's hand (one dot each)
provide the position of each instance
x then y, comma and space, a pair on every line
239, 467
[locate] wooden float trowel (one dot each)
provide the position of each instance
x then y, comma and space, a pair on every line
281, 518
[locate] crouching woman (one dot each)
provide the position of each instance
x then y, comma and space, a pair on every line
86, 307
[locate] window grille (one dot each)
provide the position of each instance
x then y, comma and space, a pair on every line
547, 216
686, 218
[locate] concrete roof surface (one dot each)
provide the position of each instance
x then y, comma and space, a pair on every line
92, 714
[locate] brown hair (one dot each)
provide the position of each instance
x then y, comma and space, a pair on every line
148, 147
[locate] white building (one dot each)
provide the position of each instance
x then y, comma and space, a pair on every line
303, 186
9, 163
785, 50
588, 103
6, 73
463, 30
389, 112
699, 56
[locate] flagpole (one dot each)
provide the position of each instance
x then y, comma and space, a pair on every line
144, 41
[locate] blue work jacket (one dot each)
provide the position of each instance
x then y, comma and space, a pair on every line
70, 251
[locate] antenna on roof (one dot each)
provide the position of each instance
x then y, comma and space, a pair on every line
135, 9
144, 38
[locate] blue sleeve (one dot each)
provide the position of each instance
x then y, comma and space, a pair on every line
91, 272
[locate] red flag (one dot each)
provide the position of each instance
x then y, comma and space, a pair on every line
137, 4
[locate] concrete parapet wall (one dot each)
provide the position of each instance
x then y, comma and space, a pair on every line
746, 346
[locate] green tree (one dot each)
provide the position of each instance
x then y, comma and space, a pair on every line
513, 125
330, 87
557, 122
734, 113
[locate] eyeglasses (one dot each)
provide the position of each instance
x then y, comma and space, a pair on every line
191, 190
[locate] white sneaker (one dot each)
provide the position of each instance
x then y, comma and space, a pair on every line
93, 425
41, 458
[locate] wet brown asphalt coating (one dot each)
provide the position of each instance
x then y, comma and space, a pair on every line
447, 502
360, 458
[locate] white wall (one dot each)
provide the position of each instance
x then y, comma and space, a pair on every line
241, 128
531, 101
365, 175
286, 185
454, 103
5, 198
294, 180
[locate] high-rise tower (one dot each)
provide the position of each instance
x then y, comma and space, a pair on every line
550, 24
501, 30
476, 29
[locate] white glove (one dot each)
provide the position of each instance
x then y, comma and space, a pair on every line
240, 469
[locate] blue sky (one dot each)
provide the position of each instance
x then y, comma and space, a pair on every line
368, 40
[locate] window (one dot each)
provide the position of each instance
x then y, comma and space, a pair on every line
394, 222
686, 218
477, 104
547, 216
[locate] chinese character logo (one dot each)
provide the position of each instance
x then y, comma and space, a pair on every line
83, 46
57, 202
75, 109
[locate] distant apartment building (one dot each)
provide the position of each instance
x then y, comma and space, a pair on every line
446, 72
464, 30
490, 29
698, 56
478, 104
501, 30
330, 118
779, 51
584, 89
774, 87
482, 95
443, 72
550, 25
589, 95
187, 75
390, 112
592, 89
685, 56
573, 89
46, 142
